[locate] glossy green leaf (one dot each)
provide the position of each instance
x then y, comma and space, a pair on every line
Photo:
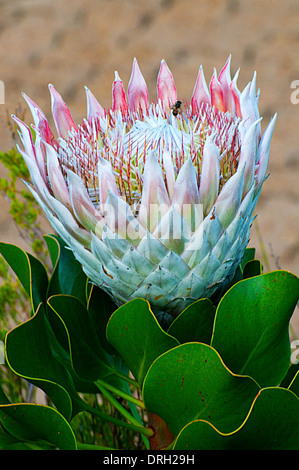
68, 277
136, 335
31, 355
252, 268
251, 329
29, 270
31, 422
195, 323
89, 359
100, 308
272, 424
9, 442
53, 248
191, 382
248, 256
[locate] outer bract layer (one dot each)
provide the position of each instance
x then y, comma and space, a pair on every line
154, 199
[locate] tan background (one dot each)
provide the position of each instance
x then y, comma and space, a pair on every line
73, 43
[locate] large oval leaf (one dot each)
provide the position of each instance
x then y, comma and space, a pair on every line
191, 382
68, 277
272, 424
31, 422
195, 323
89, 359
100, 308
30, 354
137, 336
251, 329
29, 270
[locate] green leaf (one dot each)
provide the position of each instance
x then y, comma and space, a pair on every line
136, 335
195, 323
53, 247
68, 277
248, 256
30, 354
89, 360
191, 382
252, 268
100, 308
272, 424
9, 442
251, 329
31, 422
29, 270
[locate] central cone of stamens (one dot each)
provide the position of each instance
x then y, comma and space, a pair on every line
125, 143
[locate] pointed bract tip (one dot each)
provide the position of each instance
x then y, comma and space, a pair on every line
117, 77
226, 68
137, 90
94, 109
61, 114
165, 85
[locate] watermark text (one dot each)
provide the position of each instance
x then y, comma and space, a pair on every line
295, 94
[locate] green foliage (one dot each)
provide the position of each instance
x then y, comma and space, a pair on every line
191, 382
252, 336
195, 323
271, 424
23, 208
34, 427
58, 351
12, 297
218, 377
143, 340
29, 270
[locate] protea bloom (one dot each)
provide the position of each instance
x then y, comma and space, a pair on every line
155, 199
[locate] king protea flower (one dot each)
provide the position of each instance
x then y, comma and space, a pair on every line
155, 199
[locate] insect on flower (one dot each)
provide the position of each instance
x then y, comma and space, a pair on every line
176, 108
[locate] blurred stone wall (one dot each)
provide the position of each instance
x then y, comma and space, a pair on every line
73, 43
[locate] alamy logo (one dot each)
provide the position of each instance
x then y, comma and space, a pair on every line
175, 223
295, 93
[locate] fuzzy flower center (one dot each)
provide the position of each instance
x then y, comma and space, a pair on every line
125, 141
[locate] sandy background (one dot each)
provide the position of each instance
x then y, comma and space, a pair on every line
73, 43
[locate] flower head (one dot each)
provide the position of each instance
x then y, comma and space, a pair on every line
154, 198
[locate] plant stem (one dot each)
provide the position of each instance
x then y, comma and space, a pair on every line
120, 393
133, 422
118, 422
127, 379
162, 436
